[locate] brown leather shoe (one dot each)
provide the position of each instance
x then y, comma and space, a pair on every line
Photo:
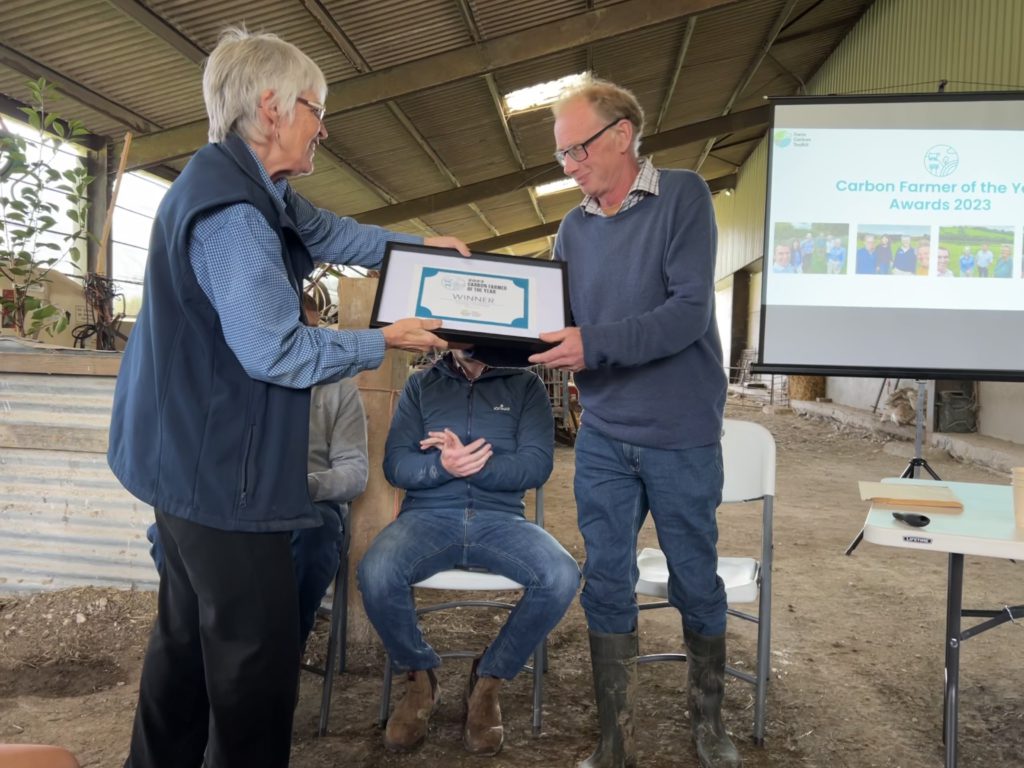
483, 733
407, 726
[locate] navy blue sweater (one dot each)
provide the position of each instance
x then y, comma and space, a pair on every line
507, 406
641, 287
191, 433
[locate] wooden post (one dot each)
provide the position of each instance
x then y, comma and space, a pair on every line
380, 390
101, 251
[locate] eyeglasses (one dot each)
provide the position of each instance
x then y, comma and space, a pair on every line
578, 152
317, 109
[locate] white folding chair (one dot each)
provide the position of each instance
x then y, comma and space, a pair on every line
476, 581
748, 457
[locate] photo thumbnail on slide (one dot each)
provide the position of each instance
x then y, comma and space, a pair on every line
980, 251
893, 249
803, 248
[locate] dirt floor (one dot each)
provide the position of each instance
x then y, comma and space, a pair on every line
857, 661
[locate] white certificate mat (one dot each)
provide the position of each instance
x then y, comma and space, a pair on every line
485, 296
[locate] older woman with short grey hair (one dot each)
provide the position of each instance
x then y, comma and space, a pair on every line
211, 410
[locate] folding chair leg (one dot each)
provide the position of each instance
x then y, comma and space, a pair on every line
335, 642
539, 664
761, 686
346, 543
764, 627
337, 637
385, 693
342, 594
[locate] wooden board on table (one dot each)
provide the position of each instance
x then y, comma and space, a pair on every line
938, 498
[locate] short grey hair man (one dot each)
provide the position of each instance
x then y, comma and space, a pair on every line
241, 68
610, 102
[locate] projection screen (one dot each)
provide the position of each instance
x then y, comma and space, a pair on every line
893, 237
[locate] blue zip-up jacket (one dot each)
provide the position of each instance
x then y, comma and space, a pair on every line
508, 407
191, 433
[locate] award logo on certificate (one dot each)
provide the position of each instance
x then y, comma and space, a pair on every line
486, 298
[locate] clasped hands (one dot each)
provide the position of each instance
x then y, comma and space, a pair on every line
458, 460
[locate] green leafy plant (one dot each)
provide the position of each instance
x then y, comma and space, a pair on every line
37, 231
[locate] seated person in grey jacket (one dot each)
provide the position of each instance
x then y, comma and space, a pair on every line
466, 443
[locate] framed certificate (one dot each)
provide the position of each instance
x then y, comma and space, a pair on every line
485, 298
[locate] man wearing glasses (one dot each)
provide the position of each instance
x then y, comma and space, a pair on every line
648, 361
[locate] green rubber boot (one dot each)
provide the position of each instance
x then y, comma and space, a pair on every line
706, 662
613, 659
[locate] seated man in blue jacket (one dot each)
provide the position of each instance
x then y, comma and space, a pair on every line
466, 443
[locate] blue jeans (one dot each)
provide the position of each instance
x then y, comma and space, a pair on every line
421, 543
616, 484
315, 554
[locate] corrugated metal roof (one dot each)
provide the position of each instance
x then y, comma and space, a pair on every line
459, 122
137, 65
117, 58
392, 158
511, 212
64, 519
500, 17
13, 85
390, 32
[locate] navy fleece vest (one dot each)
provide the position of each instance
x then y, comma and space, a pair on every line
190, 432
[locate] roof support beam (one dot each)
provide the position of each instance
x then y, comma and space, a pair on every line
159, 27
539, 174
337, 34
492, 87
773, 34
334, 31
469, 61
684, 47
31, 68
549, 228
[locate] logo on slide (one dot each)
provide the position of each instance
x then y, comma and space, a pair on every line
941, 160
782, 139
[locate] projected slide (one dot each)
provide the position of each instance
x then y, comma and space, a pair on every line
872, 206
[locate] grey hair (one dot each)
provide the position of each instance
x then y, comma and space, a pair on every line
609, 100
241, 68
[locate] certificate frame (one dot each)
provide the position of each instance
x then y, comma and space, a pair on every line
486, 298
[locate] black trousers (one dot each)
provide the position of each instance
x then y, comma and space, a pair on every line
221, 670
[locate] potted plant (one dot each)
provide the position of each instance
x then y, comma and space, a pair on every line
42, 213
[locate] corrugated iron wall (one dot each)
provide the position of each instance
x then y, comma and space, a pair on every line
741, 216
904, 46
64, 519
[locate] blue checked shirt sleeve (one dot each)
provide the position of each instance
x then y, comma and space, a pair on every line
236, 256
341, 240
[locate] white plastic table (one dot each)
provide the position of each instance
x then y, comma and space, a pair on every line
986, 527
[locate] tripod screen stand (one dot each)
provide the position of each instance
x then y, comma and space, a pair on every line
916, 462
